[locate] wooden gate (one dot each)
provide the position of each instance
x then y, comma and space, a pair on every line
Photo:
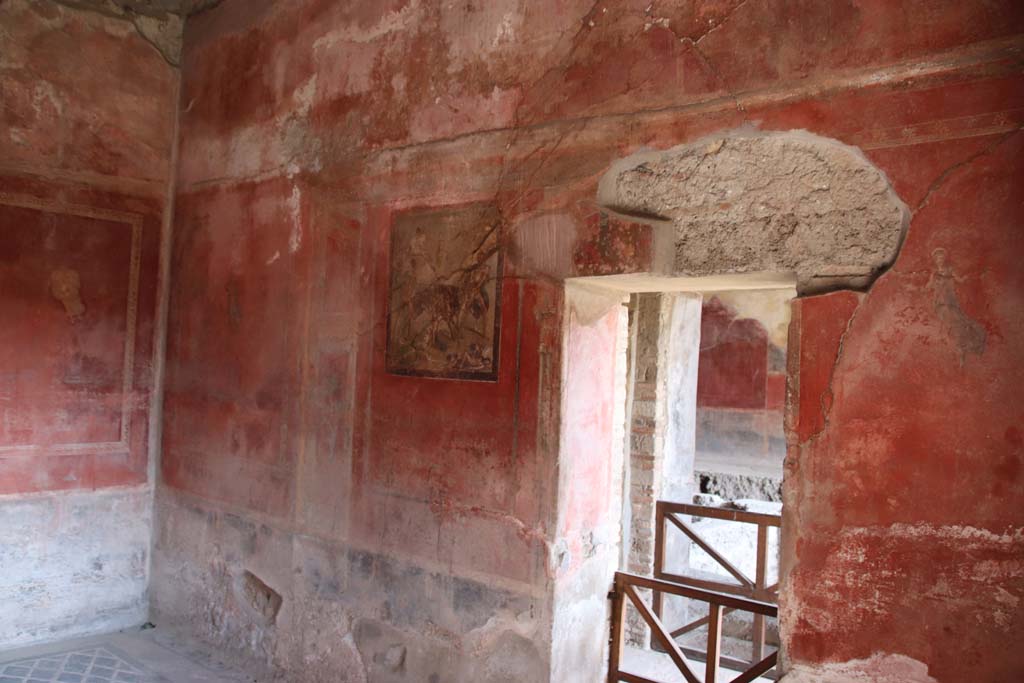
744, 594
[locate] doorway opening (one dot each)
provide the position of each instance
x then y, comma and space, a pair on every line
705, 385
727, 214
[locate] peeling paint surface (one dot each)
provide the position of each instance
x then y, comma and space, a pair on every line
416, 527
280, 410
79, 250
85, 155
879, 668
951, 549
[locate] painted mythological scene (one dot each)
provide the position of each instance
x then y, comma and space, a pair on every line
444, 300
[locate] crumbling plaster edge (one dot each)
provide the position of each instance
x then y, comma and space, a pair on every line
162, 31
880, 667
661, 226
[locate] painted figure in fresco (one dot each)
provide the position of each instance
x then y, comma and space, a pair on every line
970, 335
66, 287
442, 309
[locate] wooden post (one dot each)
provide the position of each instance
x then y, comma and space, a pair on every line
714, 642
761, 582
618, 621
659, 553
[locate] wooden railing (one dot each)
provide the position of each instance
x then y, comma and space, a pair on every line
755, 596
626, 586
756, 588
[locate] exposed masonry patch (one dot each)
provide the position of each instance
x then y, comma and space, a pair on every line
748, 202
879, 668
159, 22
264, 601
733, 486
149, 8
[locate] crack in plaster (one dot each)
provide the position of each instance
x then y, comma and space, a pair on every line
854, 670
588, 22
694, 44
940, 180
989, 52
730, 93
516, 128
826, 401
728, 17
943, 177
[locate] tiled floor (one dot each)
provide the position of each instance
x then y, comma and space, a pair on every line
151, 656
90, 665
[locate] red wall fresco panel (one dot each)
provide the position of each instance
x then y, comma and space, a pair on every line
76, 342
733, 363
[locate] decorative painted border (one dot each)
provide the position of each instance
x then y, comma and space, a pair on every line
134, 221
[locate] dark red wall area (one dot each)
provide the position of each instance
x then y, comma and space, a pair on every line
454, 516
77, 345
733, 366
309, 126
85, 140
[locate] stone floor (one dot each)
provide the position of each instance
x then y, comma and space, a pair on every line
138, 656
156, 656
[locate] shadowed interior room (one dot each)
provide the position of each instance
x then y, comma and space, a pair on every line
511, 341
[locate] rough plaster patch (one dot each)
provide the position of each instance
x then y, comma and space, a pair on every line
304, 95
392, 21
346, 614
773, 202
479, 30
261, 598
984, 559
879, 668
503, 649
945, 533
591, 304
159, 22
295, 209
733, 486
45, 99
579, 635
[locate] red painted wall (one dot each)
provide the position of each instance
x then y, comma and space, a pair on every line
906, 481
733, 370
741, 391
306, 127
85, 139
